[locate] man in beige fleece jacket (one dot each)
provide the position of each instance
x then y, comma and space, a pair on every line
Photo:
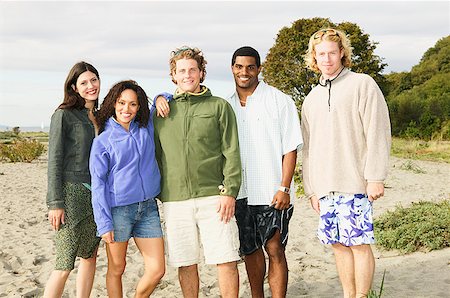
347, 138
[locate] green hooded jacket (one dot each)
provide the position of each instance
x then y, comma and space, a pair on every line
197, 148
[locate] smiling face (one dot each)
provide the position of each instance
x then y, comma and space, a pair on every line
328, 56
88, 86
126, 107
245, 72
187, 74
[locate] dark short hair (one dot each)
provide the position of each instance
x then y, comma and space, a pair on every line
246, 51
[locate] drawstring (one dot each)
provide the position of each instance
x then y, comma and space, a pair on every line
328, 83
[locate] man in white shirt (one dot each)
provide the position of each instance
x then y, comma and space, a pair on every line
269, 137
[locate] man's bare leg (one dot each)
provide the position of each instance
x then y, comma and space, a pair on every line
189, 281
255, 264
346, 269
278, 269
228, 279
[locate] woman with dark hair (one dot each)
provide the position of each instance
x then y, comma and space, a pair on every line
72, 130
125, 182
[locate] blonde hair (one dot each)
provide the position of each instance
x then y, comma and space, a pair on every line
328, 34
186, 52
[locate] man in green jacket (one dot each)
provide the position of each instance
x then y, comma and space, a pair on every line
198, 154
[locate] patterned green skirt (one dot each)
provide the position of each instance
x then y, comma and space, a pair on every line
77, 237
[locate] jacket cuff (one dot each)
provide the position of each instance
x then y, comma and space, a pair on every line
104, 230
228, 191
55, 205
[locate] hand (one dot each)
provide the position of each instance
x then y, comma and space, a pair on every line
226, 207
315, 203
281, 200
56, 218
108, 237
162, 107
375, 190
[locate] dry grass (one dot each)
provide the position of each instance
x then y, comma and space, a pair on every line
423, 150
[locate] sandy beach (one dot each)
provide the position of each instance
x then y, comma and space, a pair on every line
27, 252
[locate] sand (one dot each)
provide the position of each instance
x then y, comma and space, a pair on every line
27, 252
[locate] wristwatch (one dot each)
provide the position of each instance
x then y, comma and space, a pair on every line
285, 189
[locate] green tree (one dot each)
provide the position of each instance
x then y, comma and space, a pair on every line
285, 68
419, 101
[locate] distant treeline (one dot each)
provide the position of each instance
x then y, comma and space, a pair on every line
419, 100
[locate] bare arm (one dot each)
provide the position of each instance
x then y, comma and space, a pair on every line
281, 200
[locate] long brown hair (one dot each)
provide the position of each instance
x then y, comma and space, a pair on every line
107, 108
73, 100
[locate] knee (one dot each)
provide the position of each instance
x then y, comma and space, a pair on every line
89, 262
275, 251
62, 274
364, 249
117, 269
157, 272
229, 267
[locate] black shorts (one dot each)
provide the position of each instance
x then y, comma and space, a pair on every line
257, 224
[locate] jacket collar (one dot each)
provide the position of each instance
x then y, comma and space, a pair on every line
324, 82
180, 95
112, 122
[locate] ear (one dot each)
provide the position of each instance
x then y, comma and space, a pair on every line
74, 88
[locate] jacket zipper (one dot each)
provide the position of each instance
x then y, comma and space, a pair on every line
139, 163
186, 144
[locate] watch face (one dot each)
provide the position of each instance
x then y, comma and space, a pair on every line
284, 189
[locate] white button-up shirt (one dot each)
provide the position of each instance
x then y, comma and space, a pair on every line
268, 128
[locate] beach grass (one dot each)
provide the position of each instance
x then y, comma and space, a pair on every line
438, 151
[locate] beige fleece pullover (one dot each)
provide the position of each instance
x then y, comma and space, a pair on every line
347, 135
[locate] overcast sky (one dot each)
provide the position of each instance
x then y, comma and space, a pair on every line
40, 41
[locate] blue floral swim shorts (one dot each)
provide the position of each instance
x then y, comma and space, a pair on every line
346, 219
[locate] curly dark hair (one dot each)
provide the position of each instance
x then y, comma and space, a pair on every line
73, 100
107, 109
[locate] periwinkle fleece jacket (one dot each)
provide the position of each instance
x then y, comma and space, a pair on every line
197, 147
123, 170
347, 135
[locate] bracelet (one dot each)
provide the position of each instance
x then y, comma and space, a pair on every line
286, 190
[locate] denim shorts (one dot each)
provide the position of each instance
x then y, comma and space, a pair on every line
138, 220
257, 224
346, 219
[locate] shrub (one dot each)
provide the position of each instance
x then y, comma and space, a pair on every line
423, 226
21, 150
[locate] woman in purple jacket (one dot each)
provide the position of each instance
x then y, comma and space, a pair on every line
125, 182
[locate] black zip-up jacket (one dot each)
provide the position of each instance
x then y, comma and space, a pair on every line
70, 140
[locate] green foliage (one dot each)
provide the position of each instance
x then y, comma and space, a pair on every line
411, 166
419, 101
300, 191
423, 226
16, 130
373, 293
22, 150
285, 68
